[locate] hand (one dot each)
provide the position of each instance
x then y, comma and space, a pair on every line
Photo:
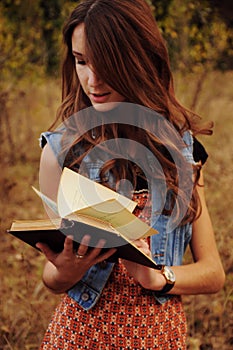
148, 278
65, 269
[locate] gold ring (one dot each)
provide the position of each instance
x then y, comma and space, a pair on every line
79, 256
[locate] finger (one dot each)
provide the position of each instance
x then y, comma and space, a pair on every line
141, 243
68, 245
86, 240
138, 244
97, 250
44, 248
83, 247
101, 243
106, 255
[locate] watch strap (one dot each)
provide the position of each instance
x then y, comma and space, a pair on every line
166, 288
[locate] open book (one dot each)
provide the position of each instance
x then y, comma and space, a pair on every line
86, 207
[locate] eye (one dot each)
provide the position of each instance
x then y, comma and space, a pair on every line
80, 61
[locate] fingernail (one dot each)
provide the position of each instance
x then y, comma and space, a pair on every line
102, 242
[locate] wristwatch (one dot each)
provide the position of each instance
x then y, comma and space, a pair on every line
170, 277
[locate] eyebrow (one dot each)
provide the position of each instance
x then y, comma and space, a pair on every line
75, 53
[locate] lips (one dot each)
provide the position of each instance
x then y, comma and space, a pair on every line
100, 97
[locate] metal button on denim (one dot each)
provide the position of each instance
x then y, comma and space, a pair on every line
85, 296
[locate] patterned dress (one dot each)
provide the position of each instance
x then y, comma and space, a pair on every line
126, 316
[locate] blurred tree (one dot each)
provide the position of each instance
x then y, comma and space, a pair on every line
54, 13
30, 37
196, 34
225, 9
20, 38
161, 9
51, 24
199, 37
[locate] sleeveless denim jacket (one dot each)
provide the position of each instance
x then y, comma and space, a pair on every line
167, 247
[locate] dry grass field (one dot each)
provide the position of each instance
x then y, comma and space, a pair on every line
25, 305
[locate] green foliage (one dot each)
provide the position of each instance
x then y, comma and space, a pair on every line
51, 23
21, 38
197, 37
161, 9
30, 35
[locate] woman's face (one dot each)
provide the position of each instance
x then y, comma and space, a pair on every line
97, 91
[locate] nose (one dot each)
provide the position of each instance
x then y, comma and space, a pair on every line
93, 79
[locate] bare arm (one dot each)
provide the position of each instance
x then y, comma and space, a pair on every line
204, 275
63, 270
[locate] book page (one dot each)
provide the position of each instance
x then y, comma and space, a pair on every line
120, 218
77, 192
91, 221
78, 195
49, 202
29, 225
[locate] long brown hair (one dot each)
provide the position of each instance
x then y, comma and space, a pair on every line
126, 49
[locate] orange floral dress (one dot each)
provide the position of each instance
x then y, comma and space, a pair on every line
126, 316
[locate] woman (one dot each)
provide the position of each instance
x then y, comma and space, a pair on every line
116, 55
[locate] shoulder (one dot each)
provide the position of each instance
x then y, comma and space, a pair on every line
48, 158
53, 138
51, 142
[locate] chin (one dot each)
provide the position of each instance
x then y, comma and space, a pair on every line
105, 107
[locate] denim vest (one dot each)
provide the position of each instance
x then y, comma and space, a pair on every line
167, 248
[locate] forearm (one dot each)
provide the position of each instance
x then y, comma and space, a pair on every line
205, 274
203, 277
198, 278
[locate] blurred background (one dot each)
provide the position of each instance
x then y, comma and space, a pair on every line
199, 36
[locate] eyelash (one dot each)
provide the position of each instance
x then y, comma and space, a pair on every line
81, 62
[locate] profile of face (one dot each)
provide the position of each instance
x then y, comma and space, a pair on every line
102, 96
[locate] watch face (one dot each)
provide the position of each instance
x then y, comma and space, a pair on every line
169, 274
